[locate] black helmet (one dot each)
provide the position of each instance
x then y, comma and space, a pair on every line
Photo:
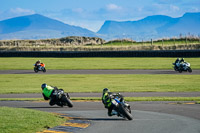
105, 90
43, 86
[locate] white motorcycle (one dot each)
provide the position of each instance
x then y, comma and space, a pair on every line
185, 66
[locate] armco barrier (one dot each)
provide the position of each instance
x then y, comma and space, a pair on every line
168, 53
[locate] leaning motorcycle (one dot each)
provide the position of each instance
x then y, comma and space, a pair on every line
40, 67
62, 98
185, 66
122, 108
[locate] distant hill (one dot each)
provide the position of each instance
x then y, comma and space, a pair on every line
152, 27
39, 27
157, 26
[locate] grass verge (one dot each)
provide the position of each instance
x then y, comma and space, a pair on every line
29, 83
130, 99
22, 99
94, 63
19, 120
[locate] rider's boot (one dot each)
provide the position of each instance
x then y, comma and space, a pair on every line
114, 112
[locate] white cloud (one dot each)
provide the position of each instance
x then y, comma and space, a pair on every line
195, 9
90, 25
113, 7
174, 8
78, 10
15, 12
21, 11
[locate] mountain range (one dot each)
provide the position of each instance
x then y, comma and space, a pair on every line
152, 27
39, 27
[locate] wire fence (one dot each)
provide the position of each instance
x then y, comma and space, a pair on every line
187, 43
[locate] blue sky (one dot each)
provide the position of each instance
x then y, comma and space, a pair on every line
91, 14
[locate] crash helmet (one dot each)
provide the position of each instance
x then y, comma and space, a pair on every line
43, 86
105, 90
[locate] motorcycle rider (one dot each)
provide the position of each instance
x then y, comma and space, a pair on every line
181, 62
48, 93
177, 63
37, 64
107, 97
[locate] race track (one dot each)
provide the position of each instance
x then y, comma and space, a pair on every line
195, 72
148, 117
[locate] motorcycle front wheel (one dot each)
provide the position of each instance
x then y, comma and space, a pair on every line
67, 101
125, 112
44, 70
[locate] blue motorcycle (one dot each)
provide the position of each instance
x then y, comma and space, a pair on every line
121, 108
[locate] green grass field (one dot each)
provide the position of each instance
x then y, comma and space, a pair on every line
18, 120
94, 63
24, 83
144, 98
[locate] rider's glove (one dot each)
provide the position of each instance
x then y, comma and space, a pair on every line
112, 97
55, 93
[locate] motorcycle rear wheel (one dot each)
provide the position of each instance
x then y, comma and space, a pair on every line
180, 71
35, 70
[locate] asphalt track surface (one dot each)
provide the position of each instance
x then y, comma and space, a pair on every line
148, 117
195, 72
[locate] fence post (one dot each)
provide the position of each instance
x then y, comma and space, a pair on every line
186, 40
81, 40
162, 42
151, 41
174, 42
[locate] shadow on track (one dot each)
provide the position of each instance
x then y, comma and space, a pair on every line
102, 119
165, 72
170, 72
25, 73
42, 107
